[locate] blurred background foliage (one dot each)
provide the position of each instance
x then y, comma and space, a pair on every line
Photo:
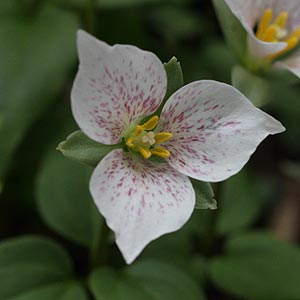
54, 242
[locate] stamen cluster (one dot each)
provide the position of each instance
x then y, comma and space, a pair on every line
145, 141
276, 31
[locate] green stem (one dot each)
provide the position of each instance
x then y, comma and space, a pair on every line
212, 232
218, 190
99, 249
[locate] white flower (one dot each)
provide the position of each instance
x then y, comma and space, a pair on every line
207, 130
273, 28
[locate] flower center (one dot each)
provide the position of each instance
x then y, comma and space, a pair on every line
145, 141
270, 30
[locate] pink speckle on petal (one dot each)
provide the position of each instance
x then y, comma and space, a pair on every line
216, 129
160, 195
114, 88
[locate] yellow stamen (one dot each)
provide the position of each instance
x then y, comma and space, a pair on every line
270, 34
151, 124
276, 31
291, 43
295, 33
129, 143
143, 140
161, 152
138, 130
282, 19
146, 153
264, 23
162, 137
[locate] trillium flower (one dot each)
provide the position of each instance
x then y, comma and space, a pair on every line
206, 130
273, 28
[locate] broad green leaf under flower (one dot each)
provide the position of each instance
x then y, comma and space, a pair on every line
60, 183
34, 268
28, 62
258, 266
243, 200
147, 280
206, 130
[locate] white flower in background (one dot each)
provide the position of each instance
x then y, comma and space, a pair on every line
207, 130
273, 28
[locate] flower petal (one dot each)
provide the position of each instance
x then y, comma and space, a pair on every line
140, 200
292, 64
215, 130
249, 13
263, 49
290, 6
114, 87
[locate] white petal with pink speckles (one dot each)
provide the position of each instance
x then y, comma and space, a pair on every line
140, 201
114, 87
215, 130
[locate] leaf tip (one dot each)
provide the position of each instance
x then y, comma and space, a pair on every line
173, 60
60, 146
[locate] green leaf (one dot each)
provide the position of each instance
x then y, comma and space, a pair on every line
38, 55
81, 148
242, 201
198, 267
175, 248
107, 284
258, 266
57, 291
254, 87
36, 251
64, 200
34, 268
178, 248
235, 34
174, 76
147, 280
163, 280
205, 197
